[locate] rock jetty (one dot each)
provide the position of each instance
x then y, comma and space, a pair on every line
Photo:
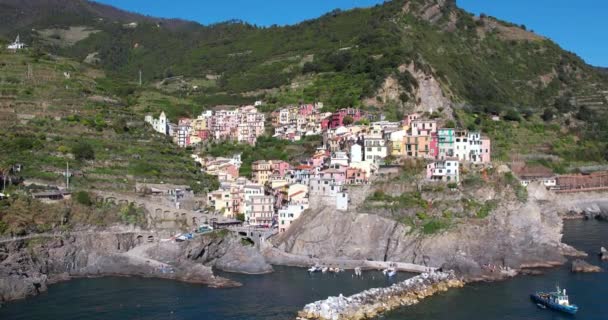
371, 303
583, 266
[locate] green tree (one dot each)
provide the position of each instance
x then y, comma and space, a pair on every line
83, 151
84, 198
548, 114
348, 120
512, 115
450, 124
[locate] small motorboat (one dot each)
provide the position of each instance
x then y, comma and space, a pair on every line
324, 269
389, 272
557, 300
542, 306
314, 269
358, 272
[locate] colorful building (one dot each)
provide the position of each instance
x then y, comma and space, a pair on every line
445, 143
445, 170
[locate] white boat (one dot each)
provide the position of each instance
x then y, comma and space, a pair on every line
389, 272
358, 272
314, 269
324, 269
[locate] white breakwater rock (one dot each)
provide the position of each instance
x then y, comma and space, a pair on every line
370, 303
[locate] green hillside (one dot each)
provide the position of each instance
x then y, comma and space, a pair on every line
553, 102
48, 121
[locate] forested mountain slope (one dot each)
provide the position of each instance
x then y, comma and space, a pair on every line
403, 55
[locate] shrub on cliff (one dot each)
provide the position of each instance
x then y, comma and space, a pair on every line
434, 226
3, 227
83, 198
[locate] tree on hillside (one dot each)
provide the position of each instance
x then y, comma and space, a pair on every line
512, 115
83, 151
548, 114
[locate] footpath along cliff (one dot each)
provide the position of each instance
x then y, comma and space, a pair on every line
28, 266
515, 235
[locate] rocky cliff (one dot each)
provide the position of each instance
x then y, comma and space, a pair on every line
515, 235
28, 266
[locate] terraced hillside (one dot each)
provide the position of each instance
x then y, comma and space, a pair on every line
56, 112
402, 55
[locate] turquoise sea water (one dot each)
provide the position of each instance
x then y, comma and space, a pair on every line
281, 294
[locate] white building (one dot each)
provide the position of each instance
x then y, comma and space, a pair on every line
288, 214
375, 149
182, 135
159, 125
462, 147
250, 191
447, 171
17, 45
423, 127
475, 150
342, 201
327, 192
356, 153
339, 158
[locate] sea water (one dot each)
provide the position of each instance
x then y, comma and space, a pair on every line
281, 294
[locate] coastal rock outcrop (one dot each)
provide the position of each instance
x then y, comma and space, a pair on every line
516, 235
243, 259
511, 237
373, 302
579, 265
27, 266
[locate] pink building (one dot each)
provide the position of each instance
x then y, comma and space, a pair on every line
407, 120
339, 176
486, 150
250, 124
280, 167
434, 146
184, 122
325, 124
318, 159
423, 127
232, 170
261, 210
356, 176
337, 118
223, 124
306, 110
203, 134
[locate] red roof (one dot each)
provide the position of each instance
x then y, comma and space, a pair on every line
297, 193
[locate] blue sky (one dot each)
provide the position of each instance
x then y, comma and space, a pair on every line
580, 26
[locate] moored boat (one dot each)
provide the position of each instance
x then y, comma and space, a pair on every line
389, 272
557, 300
314, 269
